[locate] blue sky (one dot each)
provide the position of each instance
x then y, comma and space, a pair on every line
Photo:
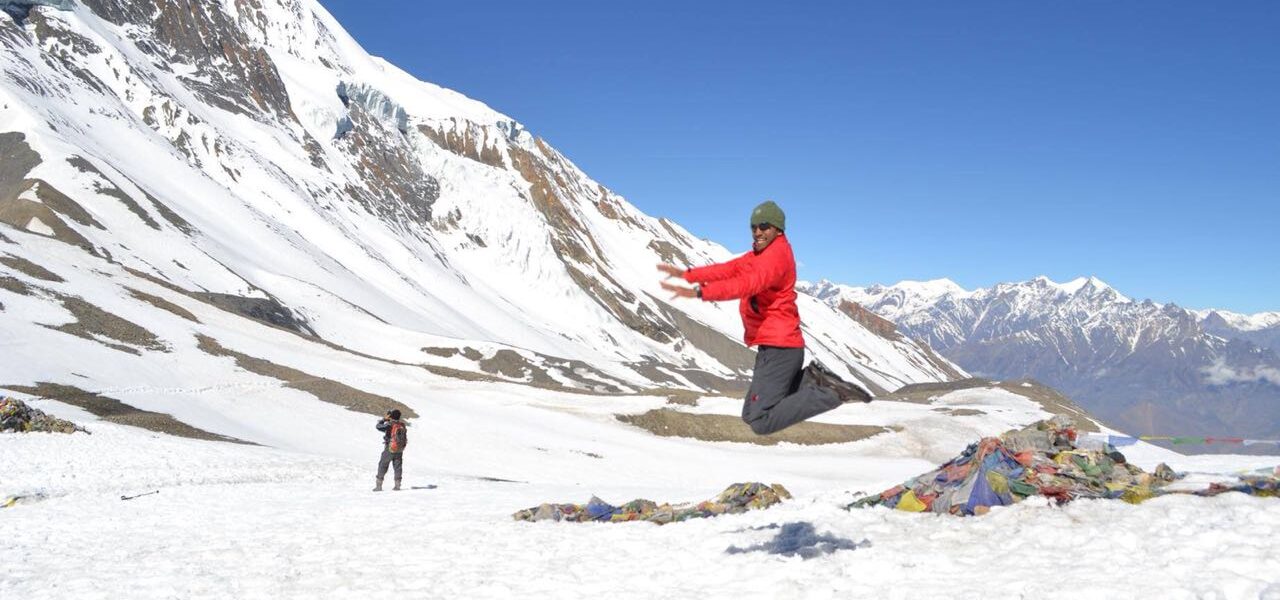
980, 141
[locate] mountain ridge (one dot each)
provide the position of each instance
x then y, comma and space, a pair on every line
1145, 367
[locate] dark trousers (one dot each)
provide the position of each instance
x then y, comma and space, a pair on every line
779, 396
389, 458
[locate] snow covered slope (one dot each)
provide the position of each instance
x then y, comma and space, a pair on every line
1144, 367
241, 521
181, 182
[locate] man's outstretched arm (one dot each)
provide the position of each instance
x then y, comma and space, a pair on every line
748, 282
715, 272
680, 291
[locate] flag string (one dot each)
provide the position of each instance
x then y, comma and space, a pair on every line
1127, 440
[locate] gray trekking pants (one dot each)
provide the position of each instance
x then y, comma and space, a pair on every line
389, 458
778, 398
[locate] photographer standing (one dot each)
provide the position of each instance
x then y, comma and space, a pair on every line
394, 438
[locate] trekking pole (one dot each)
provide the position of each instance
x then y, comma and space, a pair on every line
139, 495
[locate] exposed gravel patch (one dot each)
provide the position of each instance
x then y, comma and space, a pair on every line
115, 411
723, 428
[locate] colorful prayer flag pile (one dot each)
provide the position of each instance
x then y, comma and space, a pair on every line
739, 497
1047, 459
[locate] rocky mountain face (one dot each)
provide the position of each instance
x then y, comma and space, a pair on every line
183, 182
1144, 367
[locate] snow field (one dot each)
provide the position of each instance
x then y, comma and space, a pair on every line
255, 522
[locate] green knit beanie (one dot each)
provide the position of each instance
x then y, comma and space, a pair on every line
768, 212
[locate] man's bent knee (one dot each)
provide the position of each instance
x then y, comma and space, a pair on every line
762, 426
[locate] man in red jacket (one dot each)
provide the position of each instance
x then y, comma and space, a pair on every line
764, 280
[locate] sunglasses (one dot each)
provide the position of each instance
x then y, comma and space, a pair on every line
761, 227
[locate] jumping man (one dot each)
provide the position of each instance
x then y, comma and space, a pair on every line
763, 280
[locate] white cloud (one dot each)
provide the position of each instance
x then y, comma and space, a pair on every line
1219, 373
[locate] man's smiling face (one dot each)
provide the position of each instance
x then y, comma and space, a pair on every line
763, 234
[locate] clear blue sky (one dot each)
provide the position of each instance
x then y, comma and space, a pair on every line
1137, 141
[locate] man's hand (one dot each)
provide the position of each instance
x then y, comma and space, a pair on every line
671, 270
679, 291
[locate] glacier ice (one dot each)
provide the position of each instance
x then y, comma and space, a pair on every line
374, 102
21, 9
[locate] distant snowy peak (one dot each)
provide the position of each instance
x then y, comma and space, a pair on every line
931, 288
946, 316
1262, 329
1142, 366
924, 291
1044, 287
919, 291
1242, 322
939, 288
906, 298
1088, 286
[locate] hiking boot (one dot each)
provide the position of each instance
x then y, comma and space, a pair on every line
378, 486
397, 487
822, 377
814, 375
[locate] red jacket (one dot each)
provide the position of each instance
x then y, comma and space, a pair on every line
766, 283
